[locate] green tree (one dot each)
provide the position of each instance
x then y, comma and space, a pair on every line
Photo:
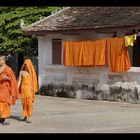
12, 38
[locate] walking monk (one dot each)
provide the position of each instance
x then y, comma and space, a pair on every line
27, 83
8, 88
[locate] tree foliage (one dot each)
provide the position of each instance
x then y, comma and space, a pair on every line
12, 38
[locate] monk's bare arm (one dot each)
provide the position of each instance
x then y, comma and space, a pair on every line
4, 77
19, 79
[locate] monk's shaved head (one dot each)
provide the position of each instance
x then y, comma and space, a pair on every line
2, 56
2, 59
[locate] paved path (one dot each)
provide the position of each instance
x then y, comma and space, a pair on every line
65, 115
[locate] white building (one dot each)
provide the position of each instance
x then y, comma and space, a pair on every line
84, 23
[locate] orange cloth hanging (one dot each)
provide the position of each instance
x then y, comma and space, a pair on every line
85, 53
118, 58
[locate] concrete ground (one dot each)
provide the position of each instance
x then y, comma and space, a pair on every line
65, 115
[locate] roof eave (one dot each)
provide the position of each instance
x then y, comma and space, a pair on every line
97, 28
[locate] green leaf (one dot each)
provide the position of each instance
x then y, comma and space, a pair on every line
12, 38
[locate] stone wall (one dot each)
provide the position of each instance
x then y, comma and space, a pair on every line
121, 92
91, 83
70, 75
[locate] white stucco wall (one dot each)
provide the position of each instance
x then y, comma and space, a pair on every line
58, 74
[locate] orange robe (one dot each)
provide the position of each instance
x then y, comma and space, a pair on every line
102, 52
85, 53
28, 88
27, 95
7, 89
32, 73
118, 57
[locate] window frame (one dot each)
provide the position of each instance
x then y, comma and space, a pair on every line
61, 50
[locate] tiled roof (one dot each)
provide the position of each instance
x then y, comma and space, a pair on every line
74, 18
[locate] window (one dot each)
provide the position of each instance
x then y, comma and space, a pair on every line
56, 51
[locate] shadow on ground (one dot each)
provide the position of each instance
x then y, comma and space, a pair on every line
17, 118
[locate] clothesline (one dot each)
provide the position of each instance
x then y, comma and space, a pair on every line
130, 38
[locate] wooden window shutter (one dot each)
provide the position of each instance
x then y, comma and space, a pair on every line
56, 51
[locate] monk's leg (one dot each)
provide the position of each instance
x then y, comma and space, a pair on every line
4, 112
24, 107
1, 120
29, 109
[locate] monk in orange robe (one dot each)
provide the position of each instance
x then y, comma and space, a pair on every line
8, 88
27, 83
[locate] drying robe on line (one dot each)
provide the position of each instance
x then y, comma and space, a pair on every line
28, 88
118, 57
7, 89
110, 52
129, 40
85, 53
